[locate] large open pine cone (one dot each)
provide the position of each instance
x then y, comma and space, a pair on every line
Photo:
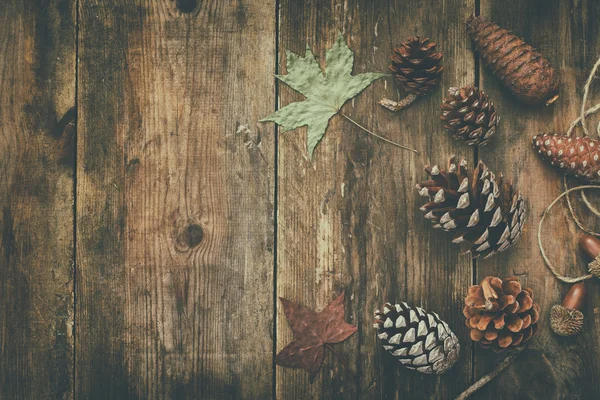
416, 65
481, 208
523, 70
574, 156
500, 314
469, 115
420, 340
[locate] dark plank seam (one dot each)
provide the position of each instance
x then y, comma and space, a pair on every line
74, 328
476, 160
275, 199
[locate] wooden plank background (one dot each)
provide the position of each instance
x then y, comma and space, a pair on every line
142, 255
37, 87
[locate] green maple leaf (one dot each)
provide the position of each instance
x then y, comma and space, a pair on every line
325, 93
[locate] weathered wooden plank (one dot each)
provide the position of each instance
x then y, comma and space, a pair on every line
350, 220
175, 199
552, 367
37, 86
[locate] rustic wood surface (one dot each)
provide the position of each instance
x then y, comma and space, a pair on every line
37, 87
142, 254
175, 202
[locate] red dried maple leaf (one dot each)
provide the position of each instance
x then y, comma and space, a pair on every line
312, 331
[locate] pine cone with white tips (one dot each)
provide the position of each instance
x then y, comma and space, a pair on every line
574, 156
420, 340
469, 115
481, 208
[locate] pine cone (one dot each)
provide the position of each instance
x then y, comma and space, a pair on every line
575, 156
523, 70
420, 340
416, 66
479, 207
469, 115
500, 314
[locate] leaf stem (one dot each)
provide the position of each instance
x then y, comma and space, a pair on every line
486, 378
340, 360
376, 135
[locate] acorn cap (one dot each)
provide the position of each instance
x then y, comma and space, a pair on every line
565, 321
591, 247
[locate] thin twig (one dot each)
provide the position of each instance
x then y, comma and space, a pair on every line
486, 378
376, 135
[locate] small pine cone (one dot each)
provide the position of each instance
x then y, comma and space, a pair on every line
416, 66
420, 340
574, 156
500, 314
523, 70
469, 115
481, 208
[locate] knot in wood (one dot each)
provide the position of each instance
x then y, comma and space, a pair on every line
190, 236
186, 6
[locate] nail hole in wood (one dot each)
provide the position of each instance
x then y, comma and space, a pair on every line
186, 6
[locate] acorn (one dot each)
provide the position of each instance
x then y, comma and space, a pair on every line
567, 319
591, 247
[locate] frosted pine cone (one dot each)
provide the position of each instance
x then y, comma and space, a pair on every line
574, 156
469, 115
523, 70
479, 207
420, 340
501, 314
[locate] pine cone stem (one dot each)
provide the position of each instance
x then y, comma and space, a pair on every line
487, 378
376, 135
398, 105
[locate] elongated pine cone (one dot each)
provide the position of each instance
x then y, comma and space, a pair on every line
420, 340
469, 115
500, 314
481, 208
574, 156
523, 70
416, 65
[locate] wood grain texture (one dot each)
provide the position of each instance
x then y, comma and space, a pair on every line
37, 86
350, 220
175, 200
568, 35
